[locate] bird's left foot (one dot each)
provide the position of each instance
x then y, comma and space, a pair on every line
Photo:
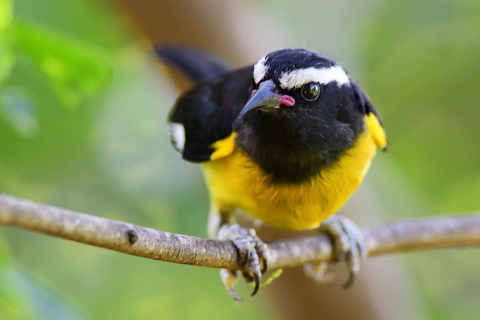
252, 254
348, 245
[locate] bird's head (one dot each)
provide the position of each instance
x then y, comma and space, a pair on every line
296, 81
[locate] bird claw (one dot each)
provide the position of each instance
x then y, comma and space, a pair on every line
252, 254
348, 245
229, 279
257, 284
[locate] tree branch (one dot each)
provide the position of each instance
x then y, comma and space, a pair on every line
444, 232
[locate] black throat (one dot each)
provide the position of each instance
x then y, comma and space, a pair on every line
293, 148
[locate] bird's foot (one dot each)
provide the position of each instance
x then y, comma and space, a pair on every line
348, 245
252, 257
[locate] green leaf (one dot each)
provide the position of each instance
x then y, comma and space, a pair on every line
74, 69
274, 275
6, 14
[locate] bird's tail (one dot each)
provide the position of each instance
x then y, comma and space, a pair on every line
196, 64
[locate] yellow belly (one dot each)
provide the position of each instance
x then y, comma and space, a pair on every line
235, 181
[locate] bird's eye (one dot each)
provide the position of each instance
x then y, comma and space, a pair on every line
311, 91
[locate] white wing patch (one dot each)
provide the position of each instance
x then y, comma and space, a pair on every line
177, 135
297, 78
260, 70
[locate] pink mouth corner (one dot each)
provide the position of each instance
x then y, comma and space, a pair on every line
286, 100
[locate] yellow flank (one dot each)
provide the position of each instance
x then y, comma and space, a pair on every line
223, 147
236, 181
376, 130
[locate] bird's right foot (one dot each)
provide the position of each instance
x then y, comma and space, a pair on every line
348, 245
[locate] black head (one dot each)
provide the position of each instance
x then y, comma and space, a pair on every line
303, 114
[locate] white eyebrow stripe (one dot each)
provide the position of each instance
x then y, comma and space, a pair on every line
260, 70
299, 77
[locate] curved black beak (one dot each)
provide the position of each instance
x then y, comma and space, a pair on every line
265, 97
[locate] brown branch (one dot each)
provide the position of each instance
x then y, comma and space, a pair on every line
444, 232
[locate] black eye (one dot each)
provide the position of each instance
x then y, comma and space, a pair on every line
311, 91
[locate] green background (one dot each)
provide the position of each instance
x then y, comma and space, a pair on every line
82, 126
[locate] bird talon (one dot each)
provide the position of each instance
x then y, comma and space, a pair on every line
252, 253
265, 265
229, 279
257, 284
234, 295
348, 246
351, 279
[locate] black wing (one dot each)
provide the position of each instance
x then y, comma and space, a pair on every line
206, 113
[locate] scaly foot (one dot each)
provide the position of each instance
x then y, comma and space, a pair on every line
252, 254
348, 245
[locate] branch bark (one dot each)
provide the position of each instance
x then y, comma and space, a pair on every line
440, 232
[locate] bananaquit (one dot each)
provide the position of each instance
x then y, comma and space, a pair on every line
286, 141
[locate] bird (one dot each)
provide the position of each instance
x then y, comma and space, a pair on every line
286, 140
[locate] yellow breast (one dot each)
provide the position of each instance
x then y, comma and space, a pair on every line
236, 181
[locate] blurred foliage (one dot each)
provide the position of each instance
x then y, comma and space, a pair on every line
73, 69
74, 135
24, 297
423, 62
6, 55
424, 67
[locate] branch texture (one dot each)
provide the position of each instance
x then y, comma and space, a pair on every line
442, 232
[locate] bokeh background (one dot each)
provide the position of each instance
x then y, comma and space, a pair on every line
83, 107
